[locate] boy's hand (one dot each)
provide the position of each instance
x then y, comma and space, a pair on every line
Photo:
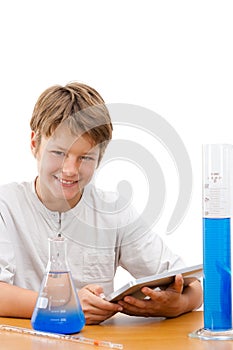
167, 303
95, 308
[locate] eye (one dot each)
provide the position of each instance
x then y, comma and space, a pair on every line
87, 158
58, 153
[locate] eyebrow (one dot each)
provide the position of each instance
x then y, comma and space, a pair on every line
93, 150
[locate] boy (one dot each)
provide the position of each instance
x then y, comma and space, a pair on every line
71, 128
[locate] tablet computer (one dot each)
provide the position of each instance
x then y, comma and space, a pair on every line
162, 280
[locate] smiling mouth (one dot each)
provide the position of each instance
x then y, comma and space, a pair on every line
66, 182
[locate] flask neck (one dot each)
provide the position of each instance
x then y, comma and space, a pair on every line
57, 255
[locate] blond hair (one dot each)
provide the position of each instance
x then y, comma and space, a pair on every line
77, 104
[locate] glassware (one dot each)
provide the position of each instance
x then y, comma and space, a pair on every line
58, 309
217, 283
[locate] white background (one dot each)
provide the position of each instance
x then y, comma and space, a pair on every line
173, 57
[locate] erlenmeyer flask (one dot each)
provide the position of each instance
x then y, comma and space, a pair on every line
58, 309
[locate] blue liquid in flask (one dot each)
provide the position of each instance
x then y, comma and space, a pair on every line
58, 309
68, 323
217, 274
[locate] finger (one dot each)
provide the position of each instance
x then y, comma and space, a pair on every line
177, 285
100, 305
155, 295
133, 307
96, 316
95, 289
95, 312
106, 305
131, 303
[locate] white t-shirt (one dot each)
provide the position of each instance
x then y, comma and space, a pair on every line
102, 233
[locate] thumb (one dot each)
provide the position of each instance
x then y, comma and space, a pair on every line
178, 284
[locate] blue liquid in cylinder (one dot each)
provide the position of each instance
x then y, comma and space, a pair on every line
217, 274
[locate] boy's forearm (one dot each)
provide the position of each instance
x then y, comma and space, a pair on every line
16, 302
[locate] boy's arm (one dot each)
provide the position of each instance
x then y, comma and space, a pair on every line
20, 302
16, 301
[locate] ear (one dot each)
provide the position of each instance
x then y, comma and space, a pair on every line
33, 144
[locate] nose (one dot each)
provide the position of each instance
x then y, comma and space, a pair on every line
70, 166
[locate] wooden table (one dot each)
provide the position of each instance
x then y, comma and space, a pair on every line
133, 332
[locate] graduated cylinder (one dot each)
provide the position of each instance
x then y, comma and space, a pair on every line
217, 283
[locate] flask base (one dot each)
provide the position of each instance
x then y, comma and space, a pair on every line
205, 334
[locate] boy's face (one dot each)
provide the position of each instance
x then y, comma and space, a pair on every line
66, 163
